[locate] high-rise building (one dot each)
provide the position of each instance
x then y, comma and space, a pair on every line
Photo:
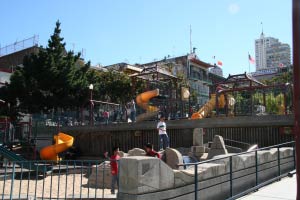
261, 46
270, 53
278, 55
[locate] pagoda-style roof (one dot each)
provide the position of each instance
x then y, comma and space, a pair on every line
154, 73
240, 81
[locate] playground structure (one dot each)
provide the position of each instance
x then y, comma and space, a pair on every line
241, 95
169, 102
97, 108
143, 101
62, 143
208, 107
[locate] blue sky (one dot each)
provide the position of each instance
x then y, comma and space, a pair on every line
138, 31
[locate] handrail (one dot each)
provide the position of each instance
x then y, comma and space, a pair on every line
257, 184
236, 154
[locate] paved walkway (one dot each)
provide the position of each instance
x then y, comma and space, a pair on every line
284, 189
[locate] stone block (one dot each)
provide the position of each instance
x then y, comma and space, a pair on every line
173, 158
198, 137
123, 154
100, 173
198, 149
139, 174
136, 152
214, 182
197, 154
217, 147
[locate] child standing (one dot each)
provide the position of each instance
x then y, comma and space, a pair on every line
114, 169
162, 132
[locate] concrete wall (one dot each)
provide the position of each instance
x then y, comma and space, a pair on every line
263, 136
94, 142
16, 58
148, 179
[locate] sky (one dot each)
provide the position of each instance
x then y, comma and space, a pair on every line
139, 31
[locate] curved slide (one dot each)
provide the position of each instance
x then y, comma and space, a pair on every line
208, 107
142, 100
62, 143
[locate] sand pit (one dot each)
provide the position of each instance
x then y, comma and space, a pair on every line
54, 186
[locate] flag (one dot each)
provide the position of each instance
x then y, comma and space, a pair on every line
251, 60
219, 63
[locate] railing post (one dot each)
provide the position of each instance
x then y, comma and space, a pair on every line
96, 168
230, 174
278, 160
12, 181
118, 178
103, 168
196, 181
256, 168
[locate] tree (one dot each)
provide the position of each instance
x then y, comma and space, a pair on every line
286, 77
55, 79
113, 86
51, 79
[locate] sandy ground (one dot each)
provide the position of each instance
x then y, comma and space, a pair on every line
54, 186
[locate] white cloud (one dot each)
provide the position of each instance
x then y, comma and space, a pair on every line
233, 8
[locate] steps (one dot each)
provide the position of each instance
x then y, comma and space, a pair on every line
10, 155
27, 164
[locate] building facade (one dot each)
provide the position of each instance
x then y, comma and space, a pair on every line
216, 70
278, 55
261, 46
191, 69
271, 53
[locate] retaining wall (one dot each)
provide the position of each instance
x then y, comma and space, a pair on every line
144, 178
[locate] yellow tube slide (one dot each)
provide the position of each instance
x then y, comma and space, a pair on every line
62, 143
208, 107
143, 99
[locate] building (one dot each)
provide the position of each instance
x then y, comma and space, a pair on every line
269, 73
12, 55
190, 68
271, 53
278, 55
125, 68
216, 70
261, 46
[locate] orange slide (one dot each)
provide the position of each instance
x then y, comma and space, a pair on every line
208, 107
143, 101
62, 143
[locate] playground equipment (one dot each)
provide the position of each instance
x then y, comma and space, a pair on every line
241, 95
209, 106
62, 143
143, 101
11, 156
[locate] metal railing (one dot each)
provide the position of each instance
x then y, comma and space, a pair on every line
70, 179
19, 45
255, 170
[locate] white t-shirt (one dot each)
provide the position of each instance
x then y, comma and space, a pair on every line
162, 128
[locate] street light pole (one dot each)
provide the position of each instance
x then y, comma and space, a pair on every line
91, 87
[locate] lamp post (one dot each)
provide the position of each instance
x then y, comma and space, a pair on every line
91, 87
